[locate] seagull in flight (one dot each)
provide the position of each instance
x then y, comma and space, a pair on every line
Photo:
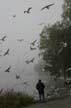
20, 40
41, 24
27, 61
8, 69
3, 39
6, 53
48, 6
17, 76
33, 43
24, 83
14, 16
32, 60
32, 48
28, 10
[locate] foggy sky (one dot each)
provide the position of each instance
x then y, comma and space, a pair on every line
23, 26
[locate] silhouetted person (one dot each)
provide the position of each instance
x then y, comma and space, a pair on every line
40, 87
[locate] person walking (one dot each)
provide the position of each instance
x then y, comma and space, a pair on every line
40, 87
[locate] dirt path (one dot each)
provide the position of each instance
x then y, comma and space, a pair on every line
61, 103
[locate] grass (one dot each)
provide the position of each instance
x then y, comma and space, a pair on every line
12, 99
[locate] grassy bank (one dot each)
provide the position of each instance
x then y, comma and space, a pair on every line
12, 99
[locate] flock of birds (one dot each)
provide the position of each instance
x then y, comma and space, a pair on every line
28, 11
7, 52
45, 7
32, 44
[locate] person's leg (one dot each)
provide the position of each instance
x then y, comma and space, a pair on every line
43, 97
39, 96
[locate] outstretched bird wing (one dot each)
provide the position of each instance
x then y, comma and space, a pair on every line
8, 69
7, 52
32, 60
29, 9
32, 48
20, 40
33, 43
3, 38
48, 6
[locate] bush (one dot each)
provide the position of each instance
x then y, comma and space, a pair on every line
12, 99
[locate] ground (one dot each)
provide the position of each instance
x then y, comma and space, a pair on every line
61, 103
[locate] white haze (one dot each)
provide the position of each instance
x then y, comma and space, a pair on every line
24, 26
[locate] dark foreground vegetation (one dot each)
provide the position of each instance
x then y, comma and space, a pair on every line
12, 99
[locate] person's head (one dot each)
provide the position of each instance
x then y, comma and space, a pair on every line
39, 80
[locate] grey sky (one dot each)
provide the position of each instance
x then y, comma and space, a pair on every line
23, 26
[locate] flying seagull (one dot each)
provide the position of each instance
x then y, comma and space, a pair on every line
24, 83
8, 69
6, 53
28, 10
41, 24
32, 48
20, 40
14, 16
33, 43
27, 61
48, 6
3, 39
17, 76
32, 60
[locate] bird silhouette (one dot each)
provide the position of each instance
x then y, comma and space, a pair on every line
8, 69
28, 10
33, 43
17, 76
31, 48
47, 7
27, 61
3, 38
41, 24
20, 40
6, 53
24, 83
32, 60
14, 16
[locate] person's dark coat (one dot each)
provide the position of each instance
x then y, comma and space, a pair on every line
40, 87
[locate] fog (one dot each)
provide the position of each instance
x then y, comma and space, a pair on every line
23, 26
